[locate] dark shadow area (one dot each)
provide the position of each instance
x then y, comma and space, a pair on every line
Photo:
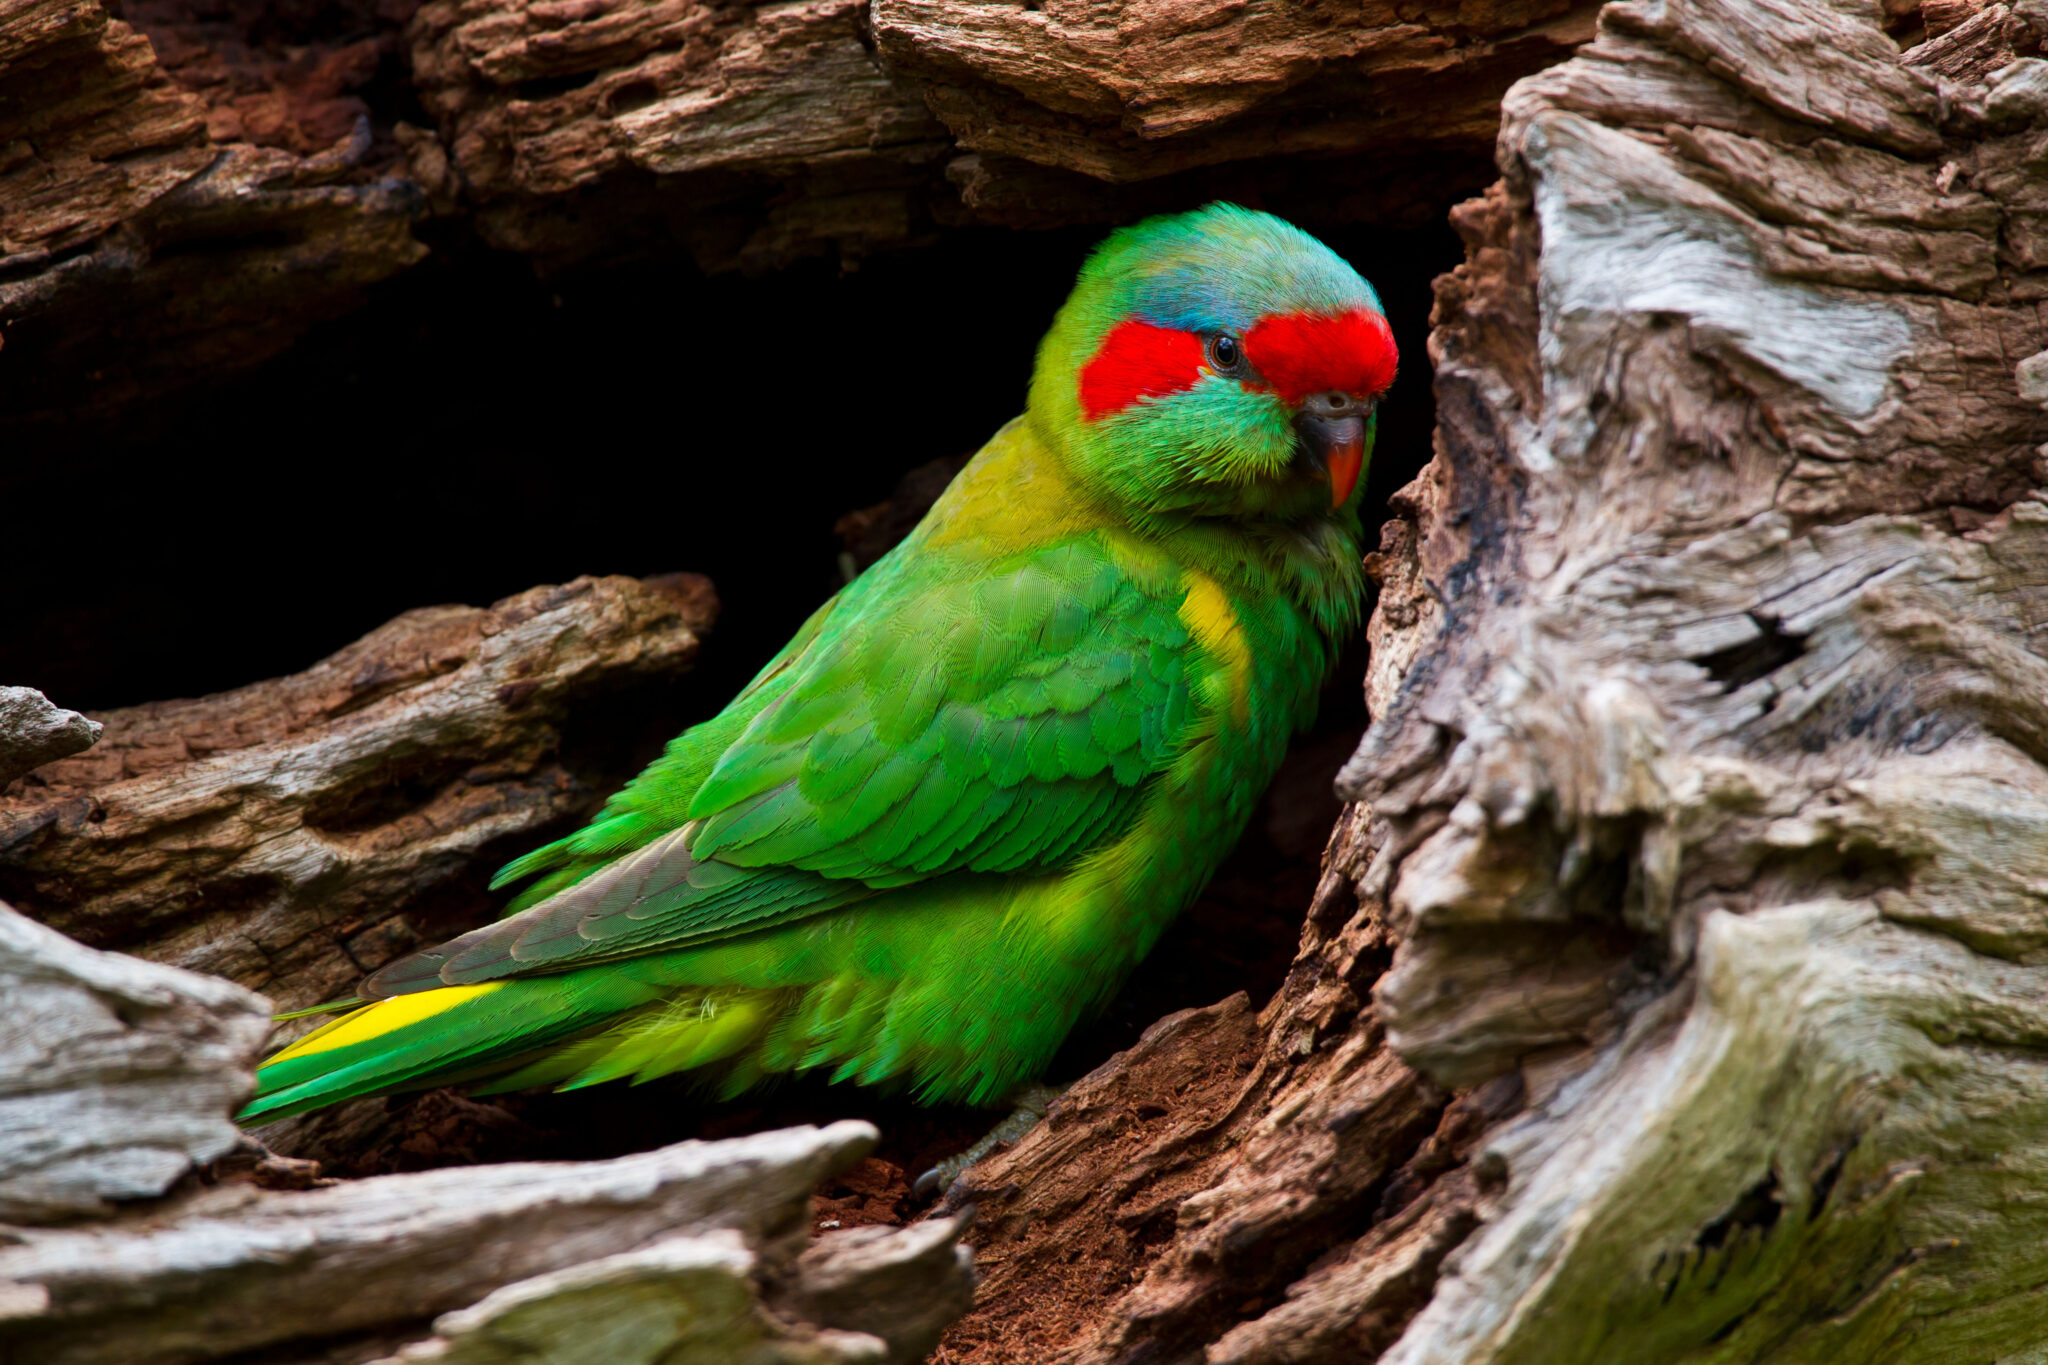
473, 433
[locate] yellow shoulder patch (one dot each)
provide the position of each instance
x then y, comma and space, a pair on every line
386, 1016
1012, 496
1209, 616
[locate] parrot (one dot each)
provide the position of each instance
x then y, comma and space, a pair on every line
947, 820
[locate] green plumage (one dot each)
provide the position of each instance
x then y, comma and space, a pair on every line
944, 823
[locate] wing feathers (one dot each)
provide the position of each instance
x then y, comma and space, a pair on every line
935, 722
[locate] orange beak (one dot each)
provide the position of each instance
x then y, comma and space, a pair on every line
1329, 436
1346, 459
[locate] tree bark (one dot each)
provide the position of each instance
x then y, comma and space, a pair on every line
1674, 992
294, 834
184, 189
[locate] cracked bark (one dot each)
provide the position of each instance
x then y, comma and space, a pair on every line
1672, 989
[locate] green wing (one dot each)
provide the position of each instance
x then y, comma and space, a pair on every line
936, 718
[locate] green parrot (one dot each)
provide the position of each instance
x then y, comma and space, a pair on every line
946, 821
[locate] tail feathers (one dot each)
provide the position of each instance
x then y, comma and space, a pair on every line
568, 1031
439, 1036
331, 1007
631, 1020
696, 1030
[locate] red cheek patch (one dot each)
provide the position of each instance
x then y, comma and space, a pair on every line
1138, 360
1303, 354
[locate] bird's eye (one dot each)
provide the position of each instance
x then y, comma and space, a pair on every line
1225, 355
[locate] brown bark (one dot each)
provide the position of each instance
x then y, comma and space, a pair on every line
148, 236
293, 834
1672, 990
190, 188
1136, 91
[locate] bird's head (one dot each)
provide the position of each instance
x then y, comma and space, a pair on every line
1215, 363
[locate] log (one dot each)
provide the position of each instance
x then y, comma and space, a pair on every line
1674, 988
1130, 92
146, 242
294, 834
234, 1269
185, 189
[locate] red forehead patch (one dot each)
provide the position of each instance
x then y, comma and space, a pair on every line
1138, 360
1305, 353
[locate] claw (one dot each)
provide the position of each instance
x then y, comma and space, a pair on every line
1031, 1103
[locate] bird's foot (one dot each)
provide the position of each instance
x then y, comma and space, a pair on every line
1031, 1102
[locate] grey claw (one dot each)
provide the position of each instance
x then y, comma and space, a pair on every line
1031, 1102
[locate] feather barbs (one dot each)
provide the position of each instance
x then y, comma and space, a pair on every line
1207, 613
381, 1018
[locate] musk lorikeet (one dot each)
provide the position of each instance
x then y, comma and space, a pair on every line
943, 824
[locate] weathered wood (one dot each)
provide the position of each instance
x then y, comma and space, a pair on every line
117, 1076
294, 834
1766, 713
124, 220
1673, 992
887, 1293
34, 732
1135, 90
1701, 810
232, 1269
688, 1253
683, 1301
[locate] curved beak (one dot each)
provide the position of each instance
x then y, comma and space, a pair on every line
1329, 435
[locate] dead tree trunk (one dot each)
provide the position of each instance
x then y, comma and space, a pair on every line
1676, 988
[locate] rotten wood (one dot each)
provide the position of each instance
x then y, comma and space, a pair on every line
146, 240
